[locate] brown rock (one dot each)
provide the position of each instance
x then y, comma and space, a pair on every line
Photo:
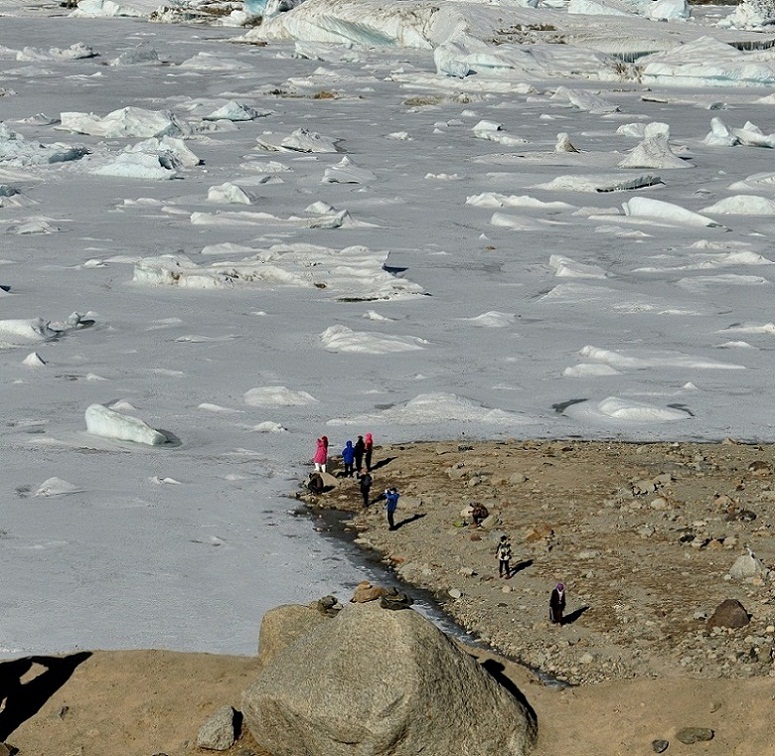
365, 591
538, 532
690, 735
729, 613
759, 467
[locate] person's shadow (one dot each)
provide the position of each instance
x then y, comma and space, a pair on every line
22, 700
407, 520
569, 619
382, 463
519, 566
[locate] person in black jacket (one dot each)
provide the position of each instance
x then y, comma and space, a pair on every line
557, 604
360, 448
365, 482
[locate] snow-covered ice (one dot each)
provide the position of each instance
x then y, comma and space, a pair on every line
420, 220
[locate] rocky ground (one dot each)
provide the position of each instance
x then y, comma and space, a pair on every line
643, 535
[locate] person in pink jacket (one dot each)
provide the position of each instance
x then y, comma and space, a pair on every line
368, 448
321, 454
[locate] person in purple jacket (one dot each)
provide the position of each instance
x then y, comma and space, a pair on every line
348, 459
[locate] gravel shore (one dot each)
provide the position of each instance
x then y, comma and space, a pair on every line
643, 535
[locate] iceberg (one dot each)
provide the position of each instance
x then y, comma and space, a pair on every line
654, 152
125, 122
101, 421
665, 211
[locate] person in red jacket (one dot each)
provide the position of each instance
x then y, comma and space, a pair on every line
368, 448
321, 454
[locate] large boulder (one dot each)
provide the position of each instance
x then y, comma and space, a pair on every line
383, 683
283, 625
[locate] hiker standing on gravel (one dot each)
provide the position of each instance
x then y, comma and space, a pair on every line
360, 448
321, 454
365, 481
557, 604
391, 504
368, 445
503, 552
348, 459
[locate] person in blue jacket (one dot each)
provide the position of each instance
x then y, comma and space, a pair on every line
391, 504
348, 459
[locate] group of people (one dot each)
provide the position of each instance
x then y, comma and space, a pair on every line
359, 455
354, 456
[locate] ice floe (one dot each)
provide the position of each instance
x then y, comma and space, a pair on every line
437, 407
634, 359
125, 122
742, 204
277, 396
668, 212
626, 411
56, 487
300, 140
352, 273
15, 150
493, 319
101, 421
345, 340
565, 267
20, 332
616, 182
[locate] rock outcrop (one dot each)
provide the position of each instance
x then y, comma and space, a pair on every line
281, 626
386, 683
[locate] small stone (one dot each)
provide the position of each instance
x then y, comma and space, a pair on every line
770, 629
218, 733
659, 746
730, 613
394, 599
455, 593
691, 735
760, 467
